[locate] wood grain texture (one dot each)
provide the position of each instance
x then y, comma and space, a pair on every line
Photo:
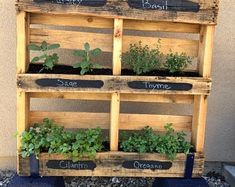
184, 99
110, 164
119, 9
205, 50
105, 41
199, 122
83, 120
113, 84
99, 22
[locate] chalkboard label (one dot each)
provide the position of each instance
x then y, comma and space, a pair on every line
146, 164
144, 85
70, 165
67, 83
94, 3
165, 5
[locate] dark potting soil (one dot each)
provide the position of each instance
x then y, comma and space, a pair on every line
64, 69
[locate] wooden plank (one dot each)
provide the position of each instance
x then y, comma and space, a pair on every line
83, 120
72, 39
99, 22
161, 26
117, 46
183, 99
110, 164
80, 96
23, 104
113, 84
67, 40
71, 20
199, 122
121, 9
114, 121
22, 41
205, 50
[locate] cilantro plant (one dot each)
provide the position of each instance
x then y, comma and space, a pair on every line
48, 60
146, 141
86, 63
51, 138
176, 62
141, 59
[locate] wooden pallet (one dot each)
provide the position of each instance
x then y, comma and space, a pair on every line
54, 23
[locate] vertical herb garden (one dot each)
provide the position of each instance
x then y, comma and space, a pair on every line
114, 51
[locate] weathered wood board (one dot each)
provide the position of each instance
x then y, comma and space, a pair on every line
115, 164
203, 12
114, 84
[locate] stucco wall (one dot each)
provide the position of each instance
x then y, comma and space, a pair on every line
220, 137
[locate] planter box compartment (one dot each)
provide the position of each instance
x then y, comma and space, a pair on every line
114, 164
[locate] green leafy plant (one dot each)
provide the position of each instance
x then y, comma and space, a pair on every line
146, 141
49, 137
49, 60
141, 59
176, 62
86, 63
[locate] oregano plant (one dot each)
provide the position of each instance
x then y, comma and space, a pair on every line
177, 62
146, 141
86, 64
48, 60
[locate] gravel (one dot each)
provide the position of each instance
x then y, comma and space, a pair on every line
214, 180
5, 177
107, 182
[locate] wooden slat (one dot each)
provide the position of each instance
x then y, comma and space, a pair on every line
98, 22
199, 122
110, 164
75, 120
22, 41
184, 99
71, 20
122, 10
80, 96
205, 50
72, 39
161, 26
75, 40
113, 84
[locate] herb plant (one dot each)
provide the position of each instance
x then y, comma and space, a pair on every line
141, 59
176, 62
146, 141
86, 63
51, 138
48, 60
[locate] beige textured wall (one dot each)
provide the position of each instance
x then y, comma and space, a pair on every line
220, 138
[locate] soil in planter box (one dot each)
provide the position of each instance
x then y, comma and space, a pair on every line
63, 69
162, 73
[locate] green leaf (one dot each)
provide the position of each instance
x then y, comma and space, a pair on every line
87, 47
34, 47
35, 59
79, 53
53, 46
83, 71
96, 52
44, 46
49, 64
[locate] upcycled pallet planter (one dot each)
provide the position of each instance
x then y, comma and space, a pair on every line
112, 30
